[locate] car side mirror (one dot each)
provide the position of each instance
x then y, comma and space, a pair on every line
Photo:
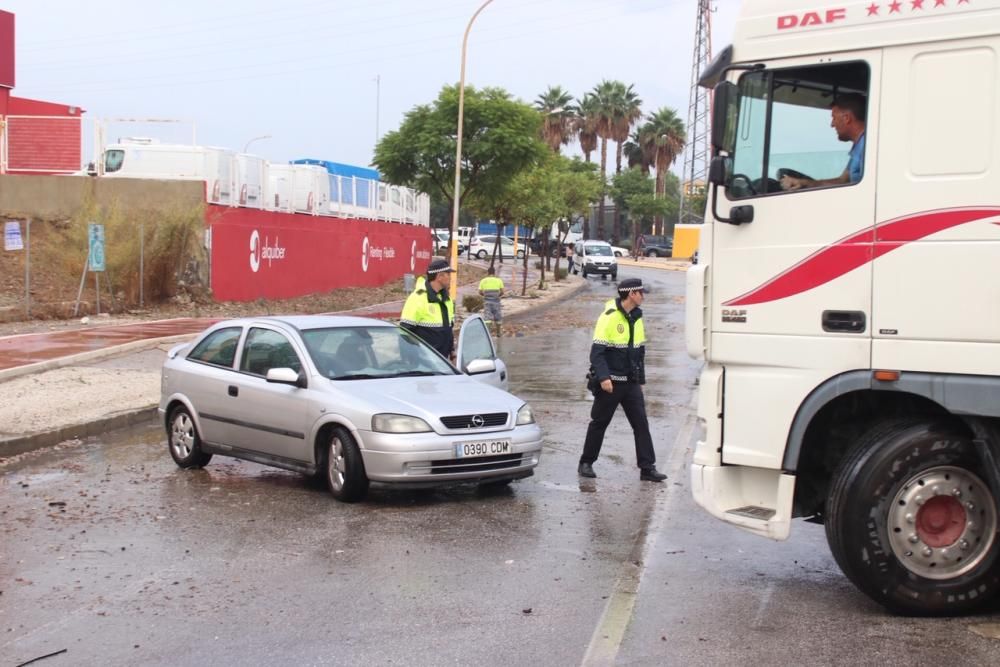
286, 376
480, 366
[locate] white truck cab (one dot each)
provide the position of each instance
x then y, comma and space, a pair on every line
846, 296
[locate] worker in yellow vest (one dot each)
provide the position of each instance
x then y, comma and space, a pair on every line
491, 289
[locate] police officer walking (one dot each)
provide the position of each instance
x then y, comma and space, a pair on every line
429, 312
618, 371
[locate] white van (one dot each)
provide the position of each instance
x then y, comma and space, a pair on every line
595, 258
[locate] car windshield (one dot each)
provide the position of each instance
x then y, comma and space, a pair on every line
600, 250
365, 353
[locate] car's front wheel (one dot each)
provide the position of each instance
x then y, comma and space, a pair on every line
911, 521
345, 469
481, 254
652, 253
520, 254
183, 440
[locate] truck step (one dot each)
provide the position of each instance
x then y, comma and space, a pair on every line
754, 512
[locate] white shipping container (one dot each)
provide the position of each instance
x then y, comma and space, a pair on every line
174, 162
251, 177
301, 188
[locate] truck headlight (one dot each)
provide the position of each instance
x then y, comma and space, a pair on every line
390, 423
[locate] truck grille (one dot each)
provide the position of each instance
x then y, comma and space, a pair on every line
470, 421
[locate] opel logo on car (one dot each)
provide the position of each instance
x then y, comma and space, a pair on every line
478, 421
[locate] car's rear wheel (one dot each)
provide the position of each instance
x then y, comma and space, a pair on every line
652, 253
520, 254
345, 469
183, 440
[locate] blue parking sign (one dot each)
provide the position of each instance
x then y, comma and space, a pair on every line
95, 258
12, 236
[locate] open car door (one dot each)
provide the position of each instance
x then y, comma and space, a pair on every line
477, 355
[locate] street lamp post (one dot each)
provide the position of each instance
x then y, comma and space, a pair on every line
453, 289
247, 144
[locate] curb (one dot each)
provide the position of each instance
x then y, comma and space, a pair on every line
93, 355
26, 443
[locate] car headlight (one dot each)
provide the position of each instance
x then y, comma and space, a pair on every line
389, 423
525, 415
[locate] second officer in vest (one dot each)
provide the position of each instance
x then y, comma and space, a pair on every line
618, 371
429, 312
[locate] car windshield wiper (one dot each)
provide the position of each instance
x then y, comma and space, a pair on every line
411, 374
357, 376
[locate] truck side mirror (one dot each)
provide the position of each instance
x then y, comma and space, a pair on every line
724, 111
718, 170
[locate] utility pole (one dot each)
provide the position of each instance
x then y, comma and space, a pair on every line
378, 94
696, 153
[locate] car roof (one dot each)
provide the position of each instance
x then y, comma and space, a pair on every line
307, 321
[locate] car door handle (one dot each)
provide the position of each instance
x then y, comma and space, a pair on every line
848, 321
234, 390
503, 375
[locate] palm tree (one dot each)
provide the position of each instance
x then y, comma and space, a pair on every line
666, 131
604, 94
626, 112
586, 124
640, 150
555, 104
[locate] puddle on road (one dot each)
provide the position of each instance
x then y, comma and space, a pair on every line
987, 630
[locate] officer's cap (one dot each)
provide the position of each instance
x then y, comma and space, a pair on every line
631, 285
439, 265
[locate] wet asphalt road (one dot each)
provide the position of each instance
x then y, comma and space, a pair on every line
109, 551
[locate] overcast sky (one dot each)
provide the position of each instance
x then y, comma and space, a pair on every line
304, 71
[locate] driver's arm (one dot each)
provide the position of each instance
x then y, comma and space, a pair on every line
792, 183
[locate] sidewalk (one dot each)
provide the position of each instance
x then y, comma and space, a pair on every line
74, 384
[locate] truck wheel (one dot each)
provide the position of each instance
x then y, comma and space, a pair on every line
912, 522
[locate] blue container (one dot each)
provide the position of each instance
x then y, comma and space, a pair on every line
338, 169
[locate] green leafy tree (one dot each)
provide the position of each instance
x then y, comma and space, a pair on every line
536, 203
634, 192
578, 186
499, 139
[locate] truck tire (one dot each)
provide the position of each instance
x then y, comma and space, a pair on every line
913, 523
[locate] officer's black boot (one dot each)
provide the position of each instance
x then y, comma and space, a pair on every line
651, 475
586, 470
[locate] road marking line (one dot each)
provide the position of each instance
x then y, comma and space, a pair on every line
610, 631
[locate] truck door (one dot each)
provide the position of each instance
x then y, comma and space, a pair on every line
791, 291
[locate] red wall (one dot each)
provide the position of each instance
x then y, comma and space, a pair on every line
6, 49
49, 145
297, 254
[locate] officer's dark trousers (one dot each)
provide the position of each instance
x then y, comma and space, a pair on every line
629, 396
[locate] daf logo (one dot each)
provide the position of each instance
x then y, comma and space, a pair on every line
478, 421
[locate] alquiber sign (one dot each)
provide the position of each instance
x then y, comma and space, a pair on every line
262, 254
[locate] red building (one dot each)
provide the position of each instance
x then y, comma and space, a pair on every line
36, 137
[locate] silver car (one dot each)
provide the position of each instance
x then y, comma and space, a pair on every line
350, 399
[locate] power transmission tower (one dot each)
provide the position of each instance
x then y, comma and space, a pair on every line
696, 153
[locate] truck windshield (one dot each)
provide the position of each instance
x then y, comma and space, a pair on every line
113, 159
784, 126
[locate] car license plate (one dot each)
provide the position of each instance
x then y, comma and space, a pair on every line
467, 450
